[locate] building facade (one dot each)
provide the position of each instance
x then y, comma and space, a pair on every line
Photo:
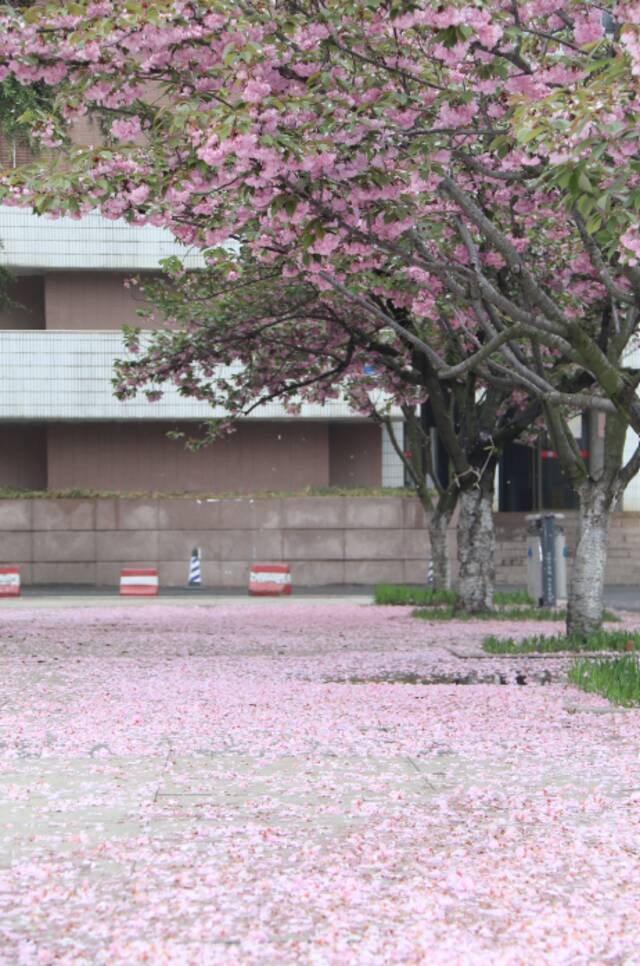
61, 427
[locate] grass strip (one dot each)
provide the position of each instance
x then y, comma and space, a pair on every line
427, 597
617, 679
504, 614
418, 596
539, 644
513, 597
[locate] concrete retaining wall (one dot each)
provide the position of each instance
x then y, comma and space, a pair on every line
327, 540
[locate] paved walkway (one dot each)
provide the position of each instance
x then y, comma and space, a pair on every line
624, 597
224, 784
73, 601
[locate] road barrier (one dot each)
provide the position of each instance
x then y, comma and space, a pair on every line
139, 582
269, 580
9, 581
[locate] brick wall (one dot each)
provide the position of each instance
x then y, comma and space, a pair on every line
623, 559
327, 540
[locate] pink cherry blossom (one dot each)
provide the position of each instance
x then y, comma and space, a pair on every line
126, 129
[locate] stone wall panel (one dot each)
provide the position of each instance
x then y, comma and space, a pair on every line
330, 540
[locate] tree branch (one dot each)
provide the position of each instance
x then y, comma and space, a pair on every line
384, 317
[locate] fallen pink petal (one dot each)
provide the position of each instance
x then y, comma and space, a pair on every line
257, 782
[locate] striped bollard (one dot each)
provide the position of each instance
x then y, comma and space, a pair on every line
430, 574
195, 573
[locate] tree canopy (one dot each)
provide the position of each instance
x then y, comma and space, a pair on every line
390, 152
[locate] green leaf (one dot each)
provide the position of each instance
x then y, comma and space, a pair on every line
583, 182
527, 134
594, 223
584, 204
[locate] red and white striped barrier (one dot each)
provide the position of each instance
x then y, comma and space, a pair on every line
269, 580
9, 581
139, 582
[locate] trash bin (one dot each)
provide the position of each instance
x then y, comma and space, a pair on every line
534, 563
546, 559
562, 555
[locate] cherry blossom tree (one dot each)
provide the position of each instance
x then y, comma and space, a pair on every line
239, 335
390, 153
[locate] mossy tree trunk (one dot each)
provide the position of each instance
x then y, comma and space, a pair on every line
599, 481
477, 546
439, 523
586, 591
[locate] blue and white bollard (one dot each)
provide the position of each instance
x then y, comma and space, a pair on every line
195, 575
430, 575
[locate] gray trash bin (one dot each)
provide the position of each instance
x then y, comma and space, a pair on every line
546, 580
534, 563
562, 555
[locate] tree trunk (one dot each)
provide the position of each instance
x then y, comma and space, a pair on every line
586, 591
439, 537
476, 548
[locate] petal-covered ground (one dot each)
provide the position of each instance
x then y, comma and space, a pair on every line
267, 783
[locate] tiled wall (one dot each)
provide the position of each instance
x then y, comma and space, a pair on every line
67, 375
95, 242
392, 466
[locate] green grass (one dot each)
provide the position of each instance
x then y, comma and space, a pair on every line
438, 605
538, 644
504, 614
616, 679
427, 597
418, 596
501, 597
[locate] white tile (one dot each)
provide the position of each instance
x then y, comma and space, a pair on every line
49, 375
38, 243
